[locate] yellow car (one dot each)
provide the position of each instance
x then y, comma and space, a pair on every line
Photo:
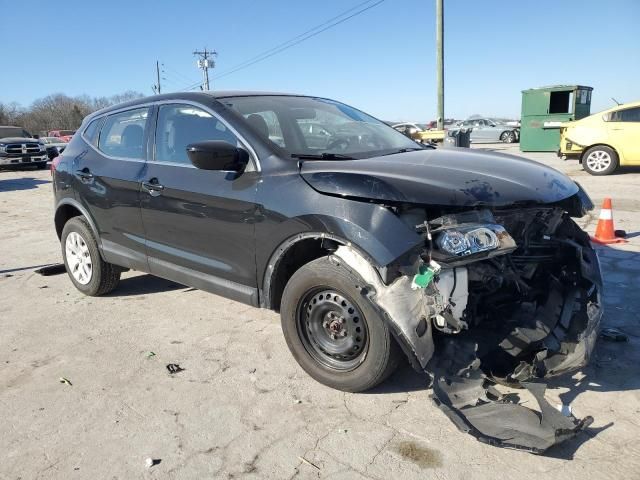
604, 141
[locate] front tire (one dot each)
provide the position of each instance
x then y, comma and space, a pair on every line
88, 271
600, 160
335, 333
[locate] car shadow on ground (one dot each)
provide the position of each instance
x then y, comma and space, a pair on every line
143, 285
14, 184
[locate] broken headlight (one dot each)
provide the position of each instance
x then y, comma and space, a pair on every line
466, 240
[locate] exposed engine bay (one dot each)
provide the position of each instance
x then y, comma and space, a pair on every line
506, 296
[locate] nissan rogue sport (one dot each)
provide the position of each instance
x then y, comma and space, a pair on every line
371, 246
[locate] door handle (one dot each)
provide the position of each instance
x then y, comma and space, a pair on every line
85, 174
153, 187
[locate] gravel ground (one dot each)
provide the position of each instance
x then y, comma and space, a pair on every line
242, 408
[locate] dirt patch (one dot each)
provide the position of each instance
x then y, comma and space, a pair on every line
422, 456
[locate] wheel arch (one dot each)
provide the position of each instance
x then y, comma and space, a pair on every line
599, 144
69, 208
293, 253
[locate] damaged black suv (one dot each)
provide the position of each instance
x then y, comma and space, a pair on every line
371, 247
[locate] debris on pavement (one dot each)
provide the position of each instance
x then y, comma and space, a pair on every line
151, 354
304, 460
613, 335
174, 368
65, 380
55, 269
150, 462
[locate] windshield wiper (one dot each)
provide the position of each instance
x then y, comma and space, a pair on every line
322, 156
404, 150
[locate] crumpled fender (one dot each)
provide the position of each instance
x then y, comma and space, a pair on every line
403, 307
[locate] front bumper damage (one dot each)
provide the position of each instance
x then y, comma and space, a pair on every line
515, 320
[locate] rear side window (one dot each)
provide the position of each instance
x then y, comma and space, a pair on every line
627, 115
181, 125
91, 132
122, 134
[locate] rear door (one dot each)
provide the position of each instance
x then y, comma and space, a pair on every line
199, 224
106, 178
624, 132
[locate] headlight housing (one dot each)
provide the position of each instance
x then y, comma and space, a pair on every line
471, 239
469, 236
3, 147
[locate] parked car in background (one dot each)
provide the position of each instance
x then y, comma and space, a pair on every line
486, 130
604, 141
54, 146
19, 148
411, 129
64, 135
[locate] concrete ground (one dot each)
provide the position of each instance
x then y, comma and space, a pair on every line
242, 408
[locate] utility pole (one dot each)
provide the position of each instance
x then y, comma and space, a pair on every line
156, 88
440, 61
205, 62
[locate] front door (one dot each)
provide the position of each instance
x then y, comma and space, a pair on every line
198, 223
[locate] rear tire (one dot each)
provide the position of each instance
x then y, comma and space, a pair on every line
600, 160
87, 270
323, 300
508, 137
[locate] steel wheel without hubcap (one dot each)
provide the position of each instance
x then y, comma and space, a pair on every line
78, 258
598, 160
332, 329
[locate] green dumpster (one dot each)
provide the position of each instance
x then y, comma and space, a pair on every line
545, 108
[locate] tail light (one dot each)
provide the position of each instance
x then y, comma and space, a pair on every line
54, 164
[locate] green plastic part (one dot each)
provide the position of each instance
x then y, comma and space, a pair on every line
423, 278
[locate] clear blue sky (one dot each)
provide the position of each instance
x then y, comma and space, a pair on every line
382, 61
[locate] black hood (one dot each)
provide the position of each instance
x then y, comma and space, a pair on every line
458, 177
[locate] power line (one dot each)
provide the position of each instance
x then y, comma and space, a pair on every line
176, 74
302, 37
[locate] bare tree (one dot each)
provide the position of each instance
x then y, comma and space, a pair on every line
58, 111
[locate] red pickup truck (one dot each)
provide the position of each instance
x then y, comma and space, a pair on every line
64, 135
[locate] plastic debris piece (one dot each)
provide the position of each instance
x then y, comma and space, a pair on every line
425, 275
55, 269
65, 380
304, 460
151, 354
174, 368
297, 401
150, 462
613, 335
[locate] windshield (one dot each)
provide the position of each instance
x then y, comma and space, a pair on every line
317, 126
6, 132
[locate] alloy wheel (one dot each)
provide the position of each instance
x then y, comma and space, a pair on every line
598, 160
78, 258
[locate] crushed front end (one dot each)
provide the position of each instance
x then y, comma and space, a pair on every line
505, 296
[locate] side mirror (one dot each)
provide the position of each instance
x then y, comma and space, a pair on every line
36, 137
217, 155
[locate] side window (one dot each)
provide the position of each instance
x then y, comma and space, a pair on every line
122, 134
181, 125
627, 115
91, 132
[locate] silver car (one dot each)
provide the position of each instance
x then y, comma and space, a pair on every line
486, 130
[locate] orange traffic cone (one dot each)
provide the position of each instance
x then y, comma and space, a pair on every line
604, 230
